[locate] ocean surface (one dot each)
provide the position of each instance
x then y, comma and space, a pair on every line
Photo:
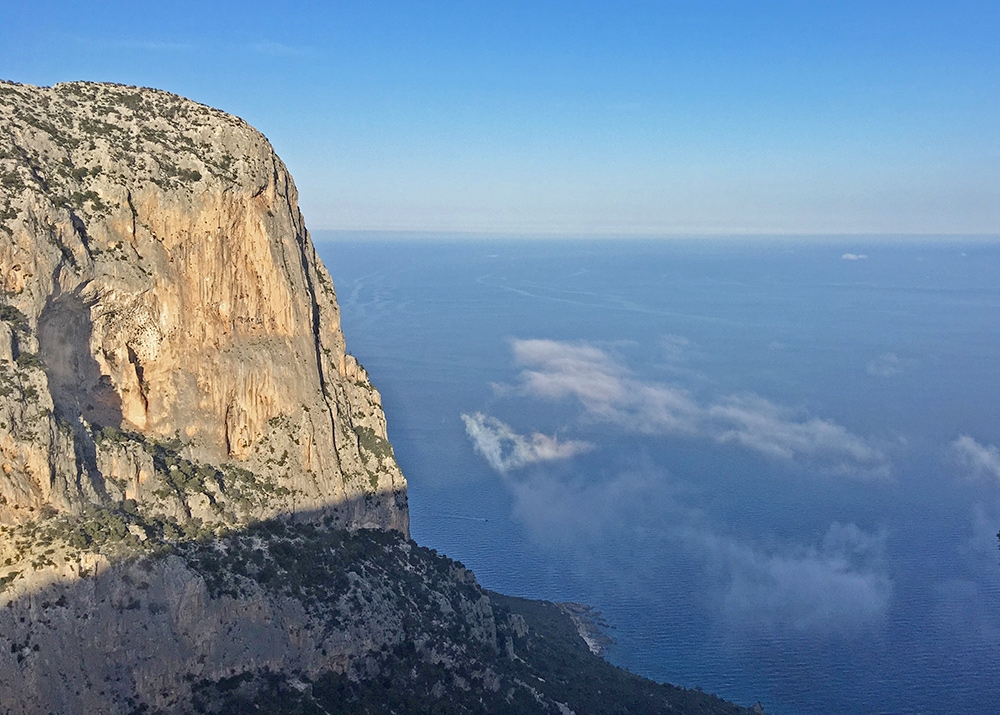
772, 464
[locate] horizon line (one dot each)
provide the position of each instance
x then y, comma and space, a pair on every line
457, 234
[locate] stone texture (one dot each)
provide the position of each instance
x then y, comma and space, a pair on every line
183, 438
108, 635
159, 280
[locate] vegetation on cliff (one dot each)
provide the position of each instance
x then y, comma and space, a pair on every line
422, 636
190, 462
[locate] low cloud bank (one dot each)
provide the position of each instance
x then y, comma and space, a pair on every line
839, 584
836, 587
504, 449
609, 393
978, 461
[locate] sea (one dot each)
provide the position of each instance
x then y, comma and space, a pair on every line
771, 464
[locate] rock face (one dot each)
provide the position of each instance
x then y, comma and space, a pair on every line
288, 598
293, 617
160, 288
192, 465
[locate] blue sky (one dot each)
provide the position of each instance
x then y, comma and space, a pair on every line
560, 117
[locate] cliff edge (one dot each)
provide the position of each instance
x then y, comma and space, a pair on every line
161, 295
199, 508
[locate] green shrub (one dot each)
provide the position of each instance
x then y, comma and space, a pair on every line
30, 360
18, 320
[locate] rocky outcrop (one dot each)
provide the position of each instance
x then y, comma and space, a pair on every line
199, 508
160, 290
277, 596
295, 617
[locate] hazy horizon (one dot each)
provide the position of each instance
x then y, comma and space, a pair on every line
774, 468
595, 118
324, 235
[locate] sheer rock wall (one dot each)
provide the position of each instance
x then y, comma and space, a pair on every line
160, 288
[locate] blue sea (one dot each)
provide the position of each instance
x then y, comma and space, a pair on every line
772, 465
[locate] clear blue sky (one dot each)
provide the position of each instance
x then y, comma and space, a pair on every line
689, 117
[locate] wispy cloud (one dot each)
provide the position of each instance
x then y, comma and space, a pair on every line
838, 586
854, 257
504, 449
676, 348
266, 47
760, 425
159, 46
885, 365
556, 370
568, 370
977, 460
608, 392
279, 49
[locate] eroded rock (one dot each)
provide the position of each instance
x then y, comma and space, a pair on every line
160, 285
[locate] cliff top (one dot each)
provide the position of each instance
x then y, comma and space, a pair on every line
159, 281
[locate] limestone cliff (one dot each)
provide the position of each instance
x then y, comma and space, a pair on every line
189, 457
294, 617
160, 291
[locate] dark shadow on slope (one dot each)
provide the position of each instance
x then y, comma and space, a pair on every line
294, 616
78, 387
80, 392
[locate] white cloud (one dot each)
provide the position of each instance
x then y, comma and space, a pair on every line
505, 450
566, 370
608, 393
854, 256
557, 370
885, 365
836, 585
977, 460
760, 425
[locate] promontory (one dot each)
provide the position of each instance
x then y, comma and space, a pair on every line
200, 510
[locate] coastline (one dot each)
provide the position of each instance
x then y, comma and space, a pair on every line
589, 624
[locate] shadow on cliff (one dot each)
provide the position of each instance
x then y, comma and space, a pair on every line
171, 609
117, 536
80, 392
290, 615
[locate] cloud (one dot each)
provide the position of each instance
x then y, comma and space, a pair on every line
838, 586
557, 370
840, 583
505, 450
278, 49
885, 365
141, 45
760, 425
566, 370
608, 393
977, 460
587, 513
854, 257
676, 348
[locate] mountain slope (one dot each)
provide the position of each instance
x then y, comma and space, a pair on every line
288, 616
159, 281
199, 507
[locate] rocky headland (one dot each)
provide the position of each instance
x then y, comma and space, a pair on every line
199, 507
